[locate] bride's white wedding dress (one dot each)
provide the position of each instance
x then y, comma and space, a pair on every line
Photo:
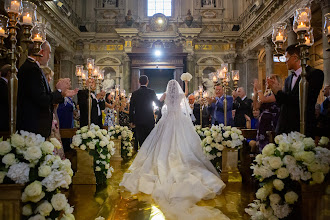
172, 167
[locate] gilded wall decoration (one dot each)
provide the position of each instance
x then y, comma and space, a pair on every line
108, 47
212, 47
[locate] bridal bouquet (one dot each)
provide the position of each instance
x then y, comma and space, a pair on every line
214, 139
125, 135
97, 142
292, 158
186, 77
26, 158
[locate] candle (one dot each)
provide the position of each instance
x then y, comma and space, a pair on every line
100, 77
307, 41
215, 79
37, 38
90, 66
328, 34
302, 27
78, 73
304, 16
279, 38
83, 76
196, 94
200, 89
2, 32
236, 78
205, 95
14, 6
222, 74
27, 19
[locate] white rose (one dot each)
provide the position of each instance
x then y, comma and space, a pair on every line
44, 208
104, 132
84, 129
219, 154
318, 177
59, 201
91, 145
100, 217
275, 162
68, 209
129, 154
97, 168
291, 197
37, 217
275, 198
9, 159
84, 135
314, 167
308, 156
76, 140
103, 156
27, 210
234, 136
297, 146
289, 160
282, 173
32, 153
4, 147
35, 199
17, 140
261, 194
56, 143
33, 189
68, 216
208, 139
226, 134
102, 144
207, 133
91, 134
324, 141
284, 147
19, 173
44, 171
309, 142
269, 149
278, 184
83, 147
208, 148
47, 147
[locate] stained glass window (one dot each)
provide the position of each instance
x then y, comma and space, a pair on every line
160, 6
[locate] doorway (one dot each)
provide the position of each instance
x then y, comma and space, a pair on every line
158, 78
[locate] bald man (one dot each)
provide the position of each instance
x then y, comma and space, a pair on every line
325, 103
242, 106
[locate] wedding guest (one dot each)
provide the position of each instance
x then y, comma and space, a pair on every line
269, 112
98, 104
5, 73
109, 111
288, 98
34, 98
216, 107
123, 112
242, 106
325, 103
254, 122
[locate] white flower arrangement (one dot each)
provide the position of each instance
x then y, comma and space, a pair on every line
125, 135
186, 77
292, 158
216, 138
97, 142
26, 158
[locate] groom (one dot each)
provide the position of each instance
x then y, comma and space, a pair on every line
141, 112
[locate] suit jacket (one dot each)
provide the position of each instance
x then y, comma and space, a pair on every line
325, 106
289, 119
242, 107
83, 107
4, 105
205, 115
219, 114
35, 100
141, 111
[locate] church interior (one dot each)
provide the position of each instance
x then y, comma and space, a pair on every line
163, 39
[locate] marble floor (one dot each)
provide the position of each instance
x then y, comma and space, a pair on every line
113, 203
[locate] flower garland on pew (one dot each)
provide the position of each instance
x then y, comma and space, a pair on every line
97, 142
217, 137
124, 134
292, 158
28, 159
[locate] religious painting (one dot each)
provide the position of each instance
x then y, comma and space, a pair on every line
208, 3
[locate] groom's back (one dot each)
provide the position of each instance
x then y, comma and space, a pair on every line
141, 108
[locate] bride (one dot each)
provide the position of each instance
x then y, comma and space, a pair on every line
171, 166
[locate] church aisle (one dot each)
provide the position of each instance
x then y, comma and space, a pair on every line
113, 203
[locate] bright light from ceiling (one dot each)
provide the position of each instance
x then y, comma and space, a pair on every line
158, 53
160, 21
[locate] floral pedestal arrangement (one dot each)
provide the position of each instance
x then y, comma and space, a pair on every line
10, 201
123, 135
85, 171
229, 165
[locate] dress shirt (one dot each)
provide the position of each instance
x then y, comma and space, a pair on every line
6, 80
243, 98
295, 77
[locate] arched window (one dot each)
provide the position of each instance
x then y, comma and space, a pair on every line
160, 6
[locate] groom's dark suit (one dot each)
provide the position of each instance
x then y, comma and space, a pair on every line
141, 112
35, 100
289, 119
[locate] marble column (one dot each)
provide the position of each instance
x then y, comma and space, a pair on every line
126, 73
177, 75
67, 68
51, 62
292, 36
269, 49
191, 69
325, 7
251, 70
135, 75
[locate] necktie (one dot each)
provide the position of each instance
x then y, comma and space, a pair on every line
294, 73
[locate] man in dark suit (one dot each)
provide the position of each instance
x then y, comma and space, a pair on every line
242, 106
216, 107
289, 119
98, 104
35, 99
4, 98
325, 103
141, 112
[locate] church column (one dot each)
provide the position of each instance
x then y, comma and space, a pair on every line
135, 78
53, 45
325, 7
251, 71
67, 68
177, 75
191, 70
126, 73
292, 36
231, 60
268, 44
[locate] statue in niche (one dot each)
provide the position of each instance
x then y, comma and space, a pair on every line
208, 84
208, 3
109, 3
108, 83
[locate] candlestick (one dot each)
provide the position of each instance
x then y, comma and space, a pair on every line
279, 38
307, 41
27, 20
14, 6
302, 27
37, 38
215, 79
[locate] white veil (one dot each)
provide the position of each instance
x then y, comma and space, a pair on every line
175, 99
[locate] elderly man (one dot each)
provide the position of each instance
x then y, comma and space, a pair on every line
216, 107
35, 99
242, 106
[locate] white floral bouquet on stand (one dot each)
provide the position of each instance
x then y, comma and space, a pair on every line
292, 158
26, 158
97, 142
214, 139
124, 134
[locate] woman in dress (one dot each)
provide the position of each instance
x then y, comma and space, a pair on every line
109, 111
269, 112
171, 166
124, 112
